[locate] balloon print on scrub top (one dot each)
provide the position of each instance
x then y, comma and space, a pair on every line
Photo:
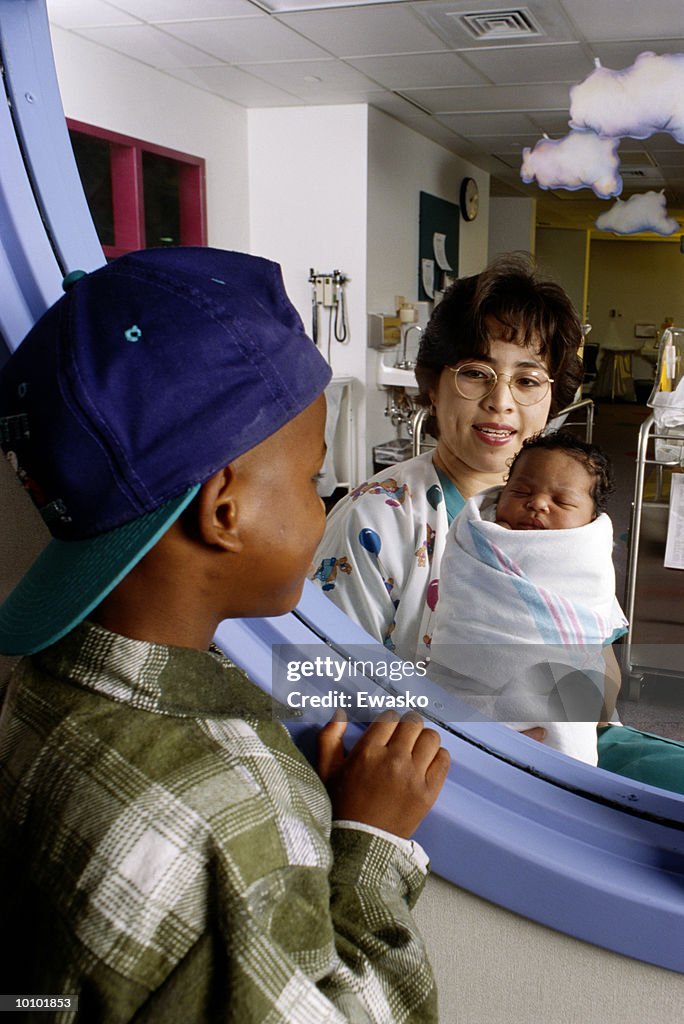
431, 597
370, 541
434, 495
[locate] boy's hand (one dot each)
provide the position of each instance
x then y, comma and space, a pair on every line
390, 778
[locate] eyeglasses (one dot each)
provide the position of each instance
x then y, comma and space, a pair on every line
477, 380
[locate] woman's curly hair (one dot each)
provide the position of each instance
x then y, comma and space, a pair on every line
507, 300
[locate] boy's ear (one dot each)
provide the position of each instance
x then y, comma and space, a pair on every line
217, 511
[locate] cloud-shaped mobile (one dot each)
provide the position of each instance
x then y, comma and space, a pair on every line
579, 160
637, 101
644, 212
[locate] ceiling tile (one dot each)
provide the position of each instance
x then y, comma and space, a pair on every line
79, 13
636, 157
553, 123
510, 160
510, 144
396, 105
492, 98
633, 19
310, 78
630, 146
147, 44
661, 142
236, 85
414, 70
365, 30
482, 97
564, 62
341, 99
157, 11
296, 6
431, 128
640, 180
672, 163
472, 125
238, 40
622, 55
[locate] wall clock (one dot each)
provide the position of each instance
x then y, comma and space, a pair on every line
470, 199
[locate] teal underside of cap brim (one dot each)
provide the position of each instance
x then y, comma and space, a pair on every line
70, 578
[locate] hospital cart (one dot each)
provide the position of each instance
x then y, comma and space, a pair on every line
660, 446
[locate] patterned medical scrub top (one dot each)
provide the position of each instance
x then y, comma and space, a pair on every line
380, 555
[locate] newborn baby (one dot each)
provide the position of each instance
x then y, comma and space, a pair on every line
531, 564
549, 488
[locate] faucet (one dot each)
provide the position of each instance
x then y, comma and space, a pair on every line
399, 407
404, 363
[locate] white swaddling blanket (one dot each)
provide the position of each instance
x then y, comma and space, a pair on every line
552, 589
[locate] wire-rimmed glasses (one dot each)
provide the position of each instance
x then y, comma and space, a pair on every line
475, 381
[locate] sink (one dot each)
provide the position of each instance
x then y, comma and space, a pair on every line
388, 376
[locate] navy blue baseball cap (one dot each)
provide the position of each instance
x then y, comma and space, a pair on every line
146, 378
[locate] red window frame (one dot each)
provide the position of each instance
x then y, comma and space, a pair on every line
125, 156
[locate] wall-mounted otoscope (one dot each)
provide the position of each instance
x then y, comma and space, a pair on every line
329, 293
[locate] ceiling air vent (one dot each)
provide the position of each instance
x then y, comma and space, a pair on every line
516, 23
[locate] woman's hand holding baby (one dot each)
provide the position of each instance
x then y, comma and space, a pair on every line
391, 777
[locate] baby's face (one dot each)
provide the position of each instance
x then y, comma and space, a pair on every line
547, 490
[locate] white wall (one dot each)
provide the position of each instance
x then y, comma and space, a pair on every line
512, 224
346, 196
561, 253
103, 88
307, 200
401, 164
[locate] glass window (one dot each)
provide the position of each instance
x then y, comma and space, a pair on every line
140, 195
161, 189
92, 158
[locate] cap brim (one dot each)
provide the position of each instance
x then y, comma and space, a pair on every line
70, 578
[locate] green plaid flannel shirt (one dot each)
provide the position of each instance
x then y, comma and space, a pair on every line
167, 854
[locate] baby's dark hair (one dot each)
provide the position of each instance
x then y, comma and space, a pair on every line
593, 458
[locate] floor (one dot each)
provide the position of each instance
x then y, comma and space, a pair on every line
658, 622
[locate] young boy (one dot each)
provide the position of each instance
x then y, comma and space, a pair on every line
531, 563
166, 851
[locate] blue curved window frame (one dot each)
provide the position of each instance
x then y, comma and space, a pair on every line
581, 850
585, 852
